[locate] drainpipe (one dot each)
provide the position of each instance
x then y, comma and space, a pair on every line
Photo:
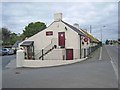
80, 46
42, 55
90, 46
33, 53
84, 52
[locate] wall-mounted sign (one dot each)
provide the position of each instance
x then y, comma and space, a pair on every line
86, 39
49, 33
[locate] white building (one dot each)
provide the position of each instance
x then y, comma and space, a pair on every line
59, 41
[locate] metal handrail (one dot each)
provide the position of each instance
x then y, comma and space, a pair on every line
47, 51
51, 44
47, 47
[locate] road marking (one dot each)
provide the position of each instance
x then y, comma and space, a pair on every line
100, 58
114, 67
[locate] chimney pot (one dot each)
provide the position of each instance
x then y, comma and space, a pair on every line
76, 25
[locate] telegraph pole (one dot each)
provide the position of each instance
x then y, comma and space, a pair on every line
101, 32
90, 40
90, 29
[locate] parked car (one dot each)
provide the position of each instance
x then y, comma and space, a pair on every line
1, 53
11, 51
7, 51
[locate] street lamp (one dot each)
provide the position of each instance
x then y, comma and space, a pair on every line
101, 32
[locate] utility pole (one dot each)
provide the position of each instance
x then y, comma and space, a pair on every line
90, 29
90, 40
101, 35
101, 32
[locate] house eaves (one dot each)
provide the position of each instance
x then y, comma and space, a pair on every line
90, 36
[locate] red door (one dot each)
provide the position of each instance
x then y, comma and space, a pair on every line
61, 39
69, 54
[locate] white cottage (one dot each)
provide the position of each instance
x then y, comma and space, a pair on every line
59, 41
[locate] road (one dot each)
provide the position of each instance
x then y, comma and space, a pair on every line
91, 73
6, 59
113, 53
114, 56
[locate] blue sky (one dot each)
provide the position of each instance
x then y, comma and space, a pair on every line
16, 15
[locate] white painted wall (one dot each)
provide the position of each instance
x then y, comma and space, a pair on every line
85, 43
20, 58
48, 63
21, 62
41, 40
56, 54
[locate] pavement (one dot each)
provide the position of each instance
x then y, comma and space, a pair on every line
91, 73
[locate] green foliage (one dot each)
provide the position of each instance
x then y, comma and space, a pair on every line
107, 42
21, 37
13, 38
8, 38
33, 28
5, 34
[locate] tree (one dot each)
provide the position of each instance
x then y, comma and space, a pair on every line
107, 42
8, 37
13, 38
33, 28
5, 34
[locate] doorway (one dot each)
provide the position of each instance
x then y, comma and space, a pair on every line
61, 39
69, 54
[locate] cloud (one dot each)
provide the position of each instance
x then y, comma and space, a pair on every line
60, 1
16, 16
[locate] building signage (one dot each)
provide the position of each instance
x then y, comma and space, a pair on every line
49, 33
86, 39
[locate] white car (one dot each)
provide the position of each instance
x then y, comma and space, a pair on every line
7, 51
11, 51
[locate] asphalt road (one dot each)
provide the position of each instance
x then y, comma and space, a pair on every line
114, 55
6, 59
91, 73
113, 52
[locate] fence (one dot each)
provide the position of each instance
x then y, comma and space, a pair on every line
95, 47
60, 54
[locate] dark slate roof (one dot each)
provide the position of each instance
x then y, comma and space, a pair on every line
74, 28
27, 43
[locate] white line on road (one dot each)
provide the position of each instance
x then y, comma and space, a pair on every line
100, 58
114, 67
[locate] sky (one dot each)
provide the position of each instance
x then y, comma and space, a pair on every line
17, 15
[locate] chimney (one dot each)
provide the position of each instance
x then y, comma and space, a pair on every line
76, 25
57, 16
